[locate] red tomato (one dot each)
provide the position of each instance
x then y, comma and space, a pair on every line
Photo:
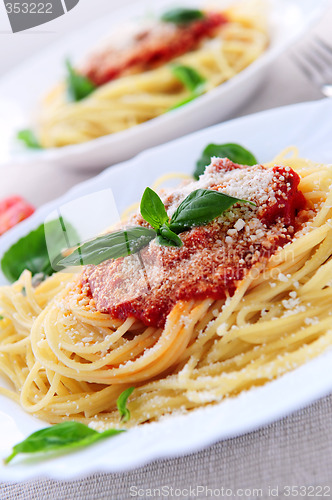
12, 211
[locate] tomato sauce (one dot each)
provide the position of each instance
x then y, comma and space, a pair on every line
214, 258
151, 48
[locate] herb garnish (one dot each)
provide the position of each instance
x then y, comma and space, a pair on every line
233, 152
191, 79
29, 138
79, 86
69, 435
197, 209
154, 212
200, 208
183, 102
63, 436
122, 404
182, 15
109, 246
31, 252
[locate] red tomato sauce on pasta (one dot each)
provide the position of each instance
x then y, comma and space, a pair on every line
214, 258
151, 48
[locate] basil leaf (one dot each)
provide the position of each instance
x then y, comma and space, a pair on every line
201, 207
190, 78
182, 15
29, 138
168, 238
233, 152
108, 246
184, 101
67, 435
30, 252
122, 404
152, 209
79, 86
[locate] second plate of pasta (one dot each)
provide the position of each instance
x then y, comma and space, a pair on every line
160, 76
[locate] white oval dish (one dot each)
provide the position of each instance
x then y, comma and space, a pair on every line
265, 134
288, 19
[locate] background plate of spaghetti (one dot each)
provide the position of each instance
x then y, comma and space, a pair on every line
261, 356
70, 130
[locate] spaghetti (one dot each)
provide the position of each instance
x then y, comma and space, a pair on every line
67, 360
126, 97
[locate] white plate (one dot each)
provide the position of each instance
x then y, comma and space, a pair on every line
21, 90
306, 125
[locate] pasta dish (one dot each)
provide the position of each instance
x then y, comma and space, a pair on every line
198, 313
149, 67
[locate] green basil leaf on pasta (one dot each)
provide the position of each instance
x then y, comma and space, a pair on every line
167, 237
189, 77
234, 152
182, 15
152, 209
31, 253
63, 436
183, 102
29, 138
121, 404
79, 86
200, 208
108, 246
154, 212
